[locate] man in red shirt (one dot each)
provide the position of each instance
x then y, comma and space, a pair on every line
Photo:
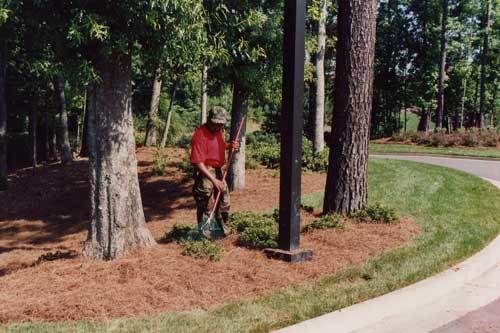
208, 156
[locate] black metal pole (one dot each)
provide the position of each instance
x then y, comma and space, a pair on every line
291, 123
291, 133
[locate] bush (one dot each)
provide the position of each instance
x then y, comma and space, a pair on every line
184, 141
307, 208
376, 214
471, 139
265, 149
312, 162
326, 222
260, 235
256, 230
489, 138
161, 162
180, 233
203, 249
461, 137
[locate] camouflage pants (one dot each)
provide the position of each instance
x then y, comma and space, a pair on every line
205, 195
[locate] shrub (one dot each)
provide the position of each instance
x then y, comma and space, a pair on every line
326, 222
438, 139
307, 208
203, 249
160, 163
489, 138
180, 233
260, 235
376, 213
471, 139
265, 149
312, 162
423, 139
261, 138
256, 230
184, 141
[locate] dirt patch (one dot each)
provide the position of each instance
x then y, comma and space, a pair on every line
43, 224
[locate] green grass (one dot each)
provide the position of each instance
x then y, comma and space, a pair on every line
412, 121
414, 149
458, 214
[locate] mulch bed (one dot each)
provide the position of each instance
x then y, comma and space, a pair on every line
46, 215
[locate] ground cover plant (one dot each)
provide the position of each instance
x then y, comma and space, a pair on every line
326, 222
376, 213
457, 213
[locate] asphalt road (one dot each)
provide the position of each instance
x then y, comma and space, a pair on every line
482, 168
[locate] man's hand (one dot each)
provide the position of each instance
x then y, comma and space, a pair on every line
219, 185
235, 145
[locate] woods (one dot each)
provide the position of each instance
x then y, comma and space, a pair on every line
98, 79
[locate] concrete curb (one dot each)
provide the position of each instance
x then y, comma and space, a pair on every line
423, 306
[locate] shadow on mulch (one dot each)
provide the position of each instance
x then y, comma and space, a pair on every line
44, 209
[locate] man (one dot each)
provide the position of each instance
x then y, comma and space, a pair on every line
208, 156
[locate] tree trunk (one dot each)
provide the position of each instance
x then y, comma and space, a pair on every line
204, 95
66, 154
484, 63
53, 136
3, 117
90, 103
319, 74
117, 223
236, 172
46, 127
475, 122
311, 116
32, 131
442, 64
461, 125
347, 185
169, 116
153, 110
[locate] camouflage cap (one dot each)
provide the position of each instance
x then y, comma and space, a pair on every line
217, 115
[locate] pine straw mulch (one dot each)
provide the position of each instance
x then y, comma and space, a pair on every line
44, 277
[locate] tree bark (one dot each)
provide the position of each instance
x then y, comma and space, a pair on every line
32, 131
442, 64
3, 117
236, 172
204, 95
319, 75
169, 116
484, 63
347, 185
53, 136
46, 127
461, 122
66, 154
90, 103
117, 224
153, 110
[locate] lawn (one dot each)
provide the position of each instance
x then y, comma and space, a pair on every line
454, 151
458, 214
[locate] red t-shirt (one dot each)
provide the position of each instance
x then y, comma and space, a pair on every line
208, 147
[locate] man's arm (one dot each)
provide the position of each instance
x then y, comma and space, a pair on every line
218, 184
